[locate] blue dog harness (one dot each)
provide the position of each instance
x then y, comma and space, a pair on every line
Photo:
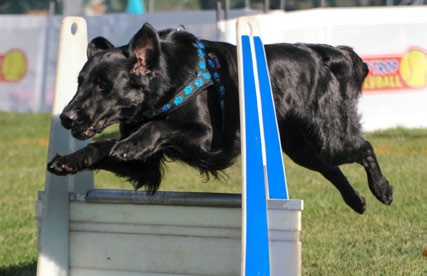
207, 75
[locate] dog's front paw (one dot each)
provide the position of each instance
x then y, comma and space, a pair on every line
62, 165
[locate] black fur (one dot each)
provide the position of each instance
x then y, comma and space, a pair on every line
315, 87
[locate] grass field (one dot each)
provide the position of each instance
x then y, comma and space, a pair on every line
336, 241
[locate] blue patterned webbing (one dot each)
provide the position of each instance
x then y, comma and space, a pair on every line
207, 75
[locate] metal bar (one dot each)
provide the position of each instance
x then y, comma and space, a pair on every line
162, 198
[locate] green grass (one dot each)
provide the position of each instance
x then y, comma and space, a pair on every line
336, 241
168, 5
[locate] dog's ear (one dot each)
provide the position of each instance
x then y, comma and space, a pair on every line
145, 46
98, 44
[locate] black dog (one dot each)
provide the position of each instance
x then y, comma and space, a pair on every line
176, 97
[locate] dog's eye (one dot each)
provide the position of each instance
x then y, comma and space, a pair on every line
101, 86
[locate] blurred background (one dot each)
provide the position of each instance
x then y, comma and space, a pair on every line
93, 7
383, 32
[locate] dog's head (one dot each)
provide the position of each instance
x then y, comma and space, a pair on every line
125, 84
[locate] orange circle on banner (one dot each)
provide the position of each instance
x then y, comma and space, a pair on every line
413, 68
14, 65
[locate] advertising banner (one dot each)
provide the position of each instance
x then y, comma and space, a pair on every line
390, 40
21, 63
397, 73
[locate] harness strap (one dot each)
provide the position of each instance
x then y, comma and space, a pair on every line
207, 75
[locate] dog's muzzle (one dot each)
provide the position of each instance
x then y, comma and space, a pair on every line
68, 119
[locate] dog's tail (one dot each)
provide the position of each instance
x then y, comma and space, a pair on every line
348, 68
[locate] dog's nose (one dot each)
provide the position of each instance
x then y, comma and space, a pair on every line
68, 118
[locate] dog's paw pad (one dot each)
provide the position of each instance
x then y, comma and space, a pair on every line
67, 168
60, 166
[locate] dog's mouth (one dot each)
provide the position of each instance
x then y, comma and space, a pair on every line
91, 131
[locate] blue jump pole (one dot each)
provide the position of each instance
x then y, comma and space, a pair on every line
262, 161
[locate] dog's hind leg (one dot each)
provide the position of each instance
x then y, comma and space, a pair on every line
305, 155
378, 184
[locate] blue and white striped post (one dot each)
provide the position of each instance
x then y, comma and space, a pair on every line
264, 189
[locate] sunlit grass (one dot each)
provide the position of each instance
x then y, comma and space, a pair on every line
386, 240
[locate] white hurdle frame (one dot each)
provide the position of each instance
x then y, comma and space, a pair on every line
53, 211
86, 231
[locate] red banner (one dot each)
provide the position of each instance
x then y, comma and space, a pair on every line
396, 72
